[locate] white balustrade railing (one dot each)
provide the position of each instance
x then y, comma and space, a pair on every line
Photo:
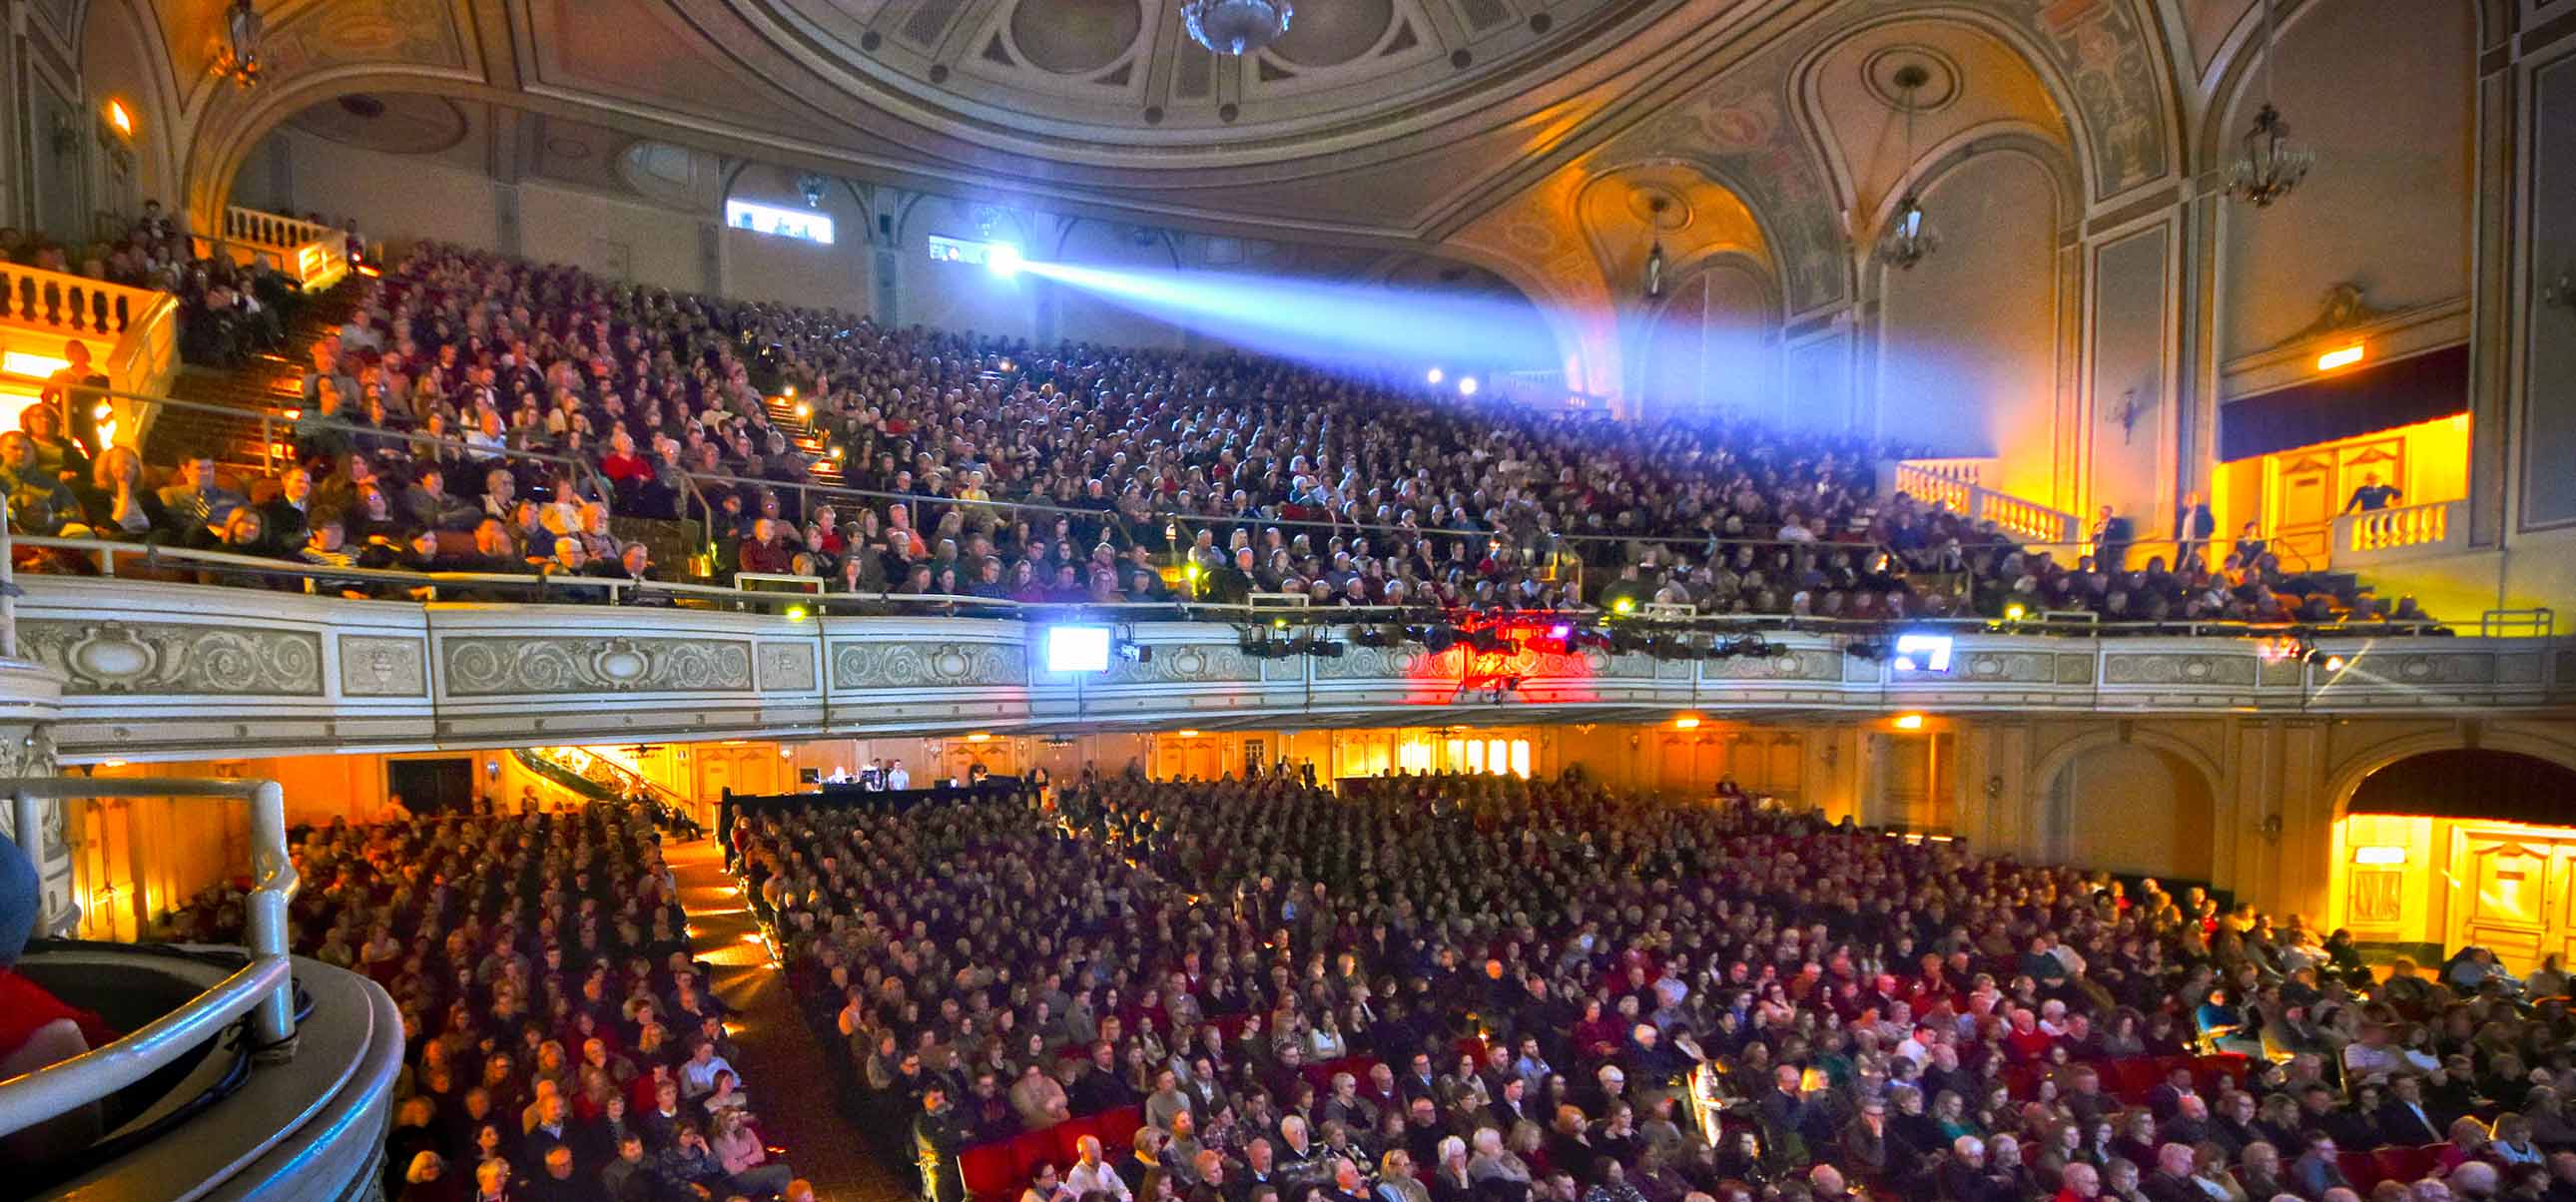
131, 334
1954, 483
312, 254
2379, 536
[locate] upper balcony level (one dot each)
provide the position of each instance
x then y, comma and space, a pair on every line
163, 669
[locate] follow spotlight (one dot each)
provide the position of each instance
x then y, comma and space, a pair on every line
1466, 385
1003, 259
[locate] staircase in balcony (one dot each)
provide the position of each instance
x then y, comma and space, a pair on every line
794, 416
268, 387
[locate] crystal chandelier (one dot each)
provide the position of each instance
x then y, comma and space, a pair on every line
2273, 165
1237, 27
1908, 236
239, 59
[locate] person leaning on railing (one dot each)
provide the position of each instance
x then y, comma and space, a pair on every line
36, 1028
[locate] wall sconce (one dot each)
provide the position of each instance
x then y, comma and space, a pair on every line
1994, 787
2272, 827
2560, 293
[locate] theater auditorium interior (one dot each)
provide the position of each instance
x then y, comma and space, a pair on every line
1288, 600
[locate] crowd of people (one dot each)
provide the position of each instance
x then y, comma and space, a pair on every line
485, 413
1482, 989
562, 1046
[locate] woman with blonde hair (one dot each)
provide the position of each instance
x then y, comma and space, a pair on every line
118, 504
738, 1148
425, 1180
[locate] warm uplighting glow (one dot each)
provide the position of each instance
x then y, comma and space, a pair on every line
797, 613
2379, 855
1624, 605
2014, 612
979, 737
804, 410
111, 763
1686, 722
26, 363
1909, 722
791, 392
1187, 734
120, 118
2334, 663
2345, 357
839, 452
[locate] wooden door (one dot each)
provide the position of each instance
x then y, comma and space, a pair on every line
2506, 903
2303, 510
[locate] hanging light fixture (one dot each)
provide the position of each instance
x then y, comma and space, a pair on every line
1237, 27
1655, 253
2272, 165
1908, 235
239, 60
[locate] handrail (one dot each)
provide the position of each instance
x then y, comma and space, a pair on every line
264, 989
626, 590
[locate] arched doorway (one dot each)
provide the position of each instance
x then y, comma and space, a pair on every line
2135, 808
2461, 845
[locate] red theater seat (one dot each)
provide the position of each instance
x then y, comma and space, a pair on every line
990, 1171
1029, 1149
2408, 1165
1118, 1127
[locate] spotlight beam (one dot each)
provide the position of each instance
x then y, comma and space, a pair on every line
1318, 322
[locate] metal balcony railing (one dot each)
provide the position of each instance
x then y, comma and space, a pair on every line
263, 989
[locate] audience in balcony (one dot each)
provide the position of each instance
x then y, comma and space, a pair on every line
1868, 1014
1082, 473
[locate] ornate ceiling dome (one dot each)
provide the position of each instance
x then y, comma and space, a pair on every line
1121, 74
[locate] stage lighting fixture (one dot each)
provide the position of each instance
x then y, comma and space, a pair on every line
1002, 259
1435, 375
1077, 648
1873, 650
1438, 639
1134, 652
1376, 636
1466, 385
1922, 653
1489, 642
